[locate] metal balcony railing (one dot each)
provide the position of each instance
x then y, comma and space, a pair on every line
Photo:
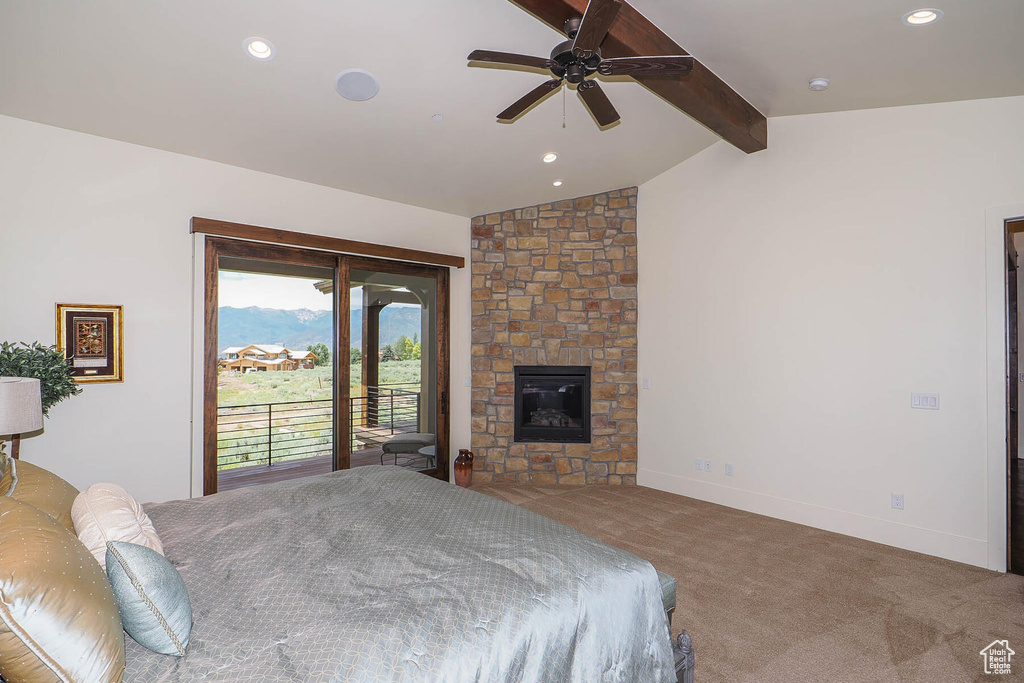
271, 433
382, 413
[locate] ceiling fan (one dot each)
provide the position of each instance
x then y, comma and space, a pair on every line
579, 58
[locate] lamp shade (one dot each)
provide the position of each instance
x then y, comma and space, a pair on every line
21, 406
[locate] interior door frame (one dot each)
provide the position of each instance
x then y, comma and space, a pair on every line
1012, 228
216, 248
342, 304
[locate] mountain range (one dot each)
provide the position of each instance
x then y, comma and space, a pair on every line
301, 327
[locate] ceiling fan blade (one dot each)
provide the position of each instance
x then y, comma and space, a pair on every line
598, 103
674, 65
596, 21
509, 58
530, 99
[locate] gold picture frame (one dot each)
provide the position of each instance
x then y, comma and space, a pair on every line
92, 338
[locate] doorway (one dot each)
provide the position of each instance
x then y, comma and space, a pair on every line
345, 365
1014, 400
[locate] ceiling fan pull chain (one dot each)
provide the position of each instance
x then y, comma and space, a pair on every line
563, 107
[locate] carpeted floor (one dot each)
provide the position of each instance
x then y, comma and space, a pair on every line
767, 600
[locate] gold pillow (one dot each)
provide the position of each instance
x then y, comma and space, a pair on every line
58, 617
46, 491
6, 478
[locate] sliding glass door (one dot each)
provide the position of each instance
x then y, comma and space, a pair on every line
396, 366
316, 362
270, 403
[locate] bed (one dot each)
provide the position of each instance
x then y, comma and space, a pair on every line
381, 574
367, 575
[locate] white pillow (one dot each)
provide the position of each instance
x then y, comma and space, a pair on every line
106, 512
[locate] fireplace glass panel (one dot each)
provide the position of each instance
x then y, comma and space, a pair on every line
552, 404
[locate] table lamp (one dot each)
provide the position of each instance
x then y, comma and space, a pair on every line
21, 409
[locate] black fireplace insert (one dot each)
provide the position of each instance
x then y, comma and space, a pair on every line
552, 404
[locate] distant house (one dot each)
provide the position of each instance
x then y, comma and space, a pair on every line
264, 357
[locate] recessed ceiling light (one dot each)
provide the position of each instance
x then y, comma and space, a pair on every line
260, 49
549, 157
921, 17
557, 183
357, 85
818, 84
437, 118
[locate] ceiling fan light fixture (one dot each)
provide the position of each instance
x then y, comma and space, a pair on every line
557, 183
818, 84
260, 49
357, 85
549, 157
922, 17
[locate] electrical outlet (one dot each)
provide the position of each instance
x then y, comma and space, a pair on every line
924, 401
897, 501
700, 465
707, 465
467, 381
728, 469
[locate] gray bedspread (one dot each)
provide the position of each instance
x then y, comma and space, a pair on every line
380, 574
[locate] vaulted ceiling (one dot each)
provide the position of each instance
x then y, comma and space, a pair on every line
174, 76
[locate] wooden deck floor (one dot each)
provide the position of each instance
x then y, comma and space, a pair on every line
262, 474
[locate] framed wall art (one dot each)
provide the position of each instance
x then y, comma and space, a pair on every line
92, 338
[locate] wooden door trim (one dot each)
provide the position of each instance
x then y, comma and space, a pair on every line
335, 245
210, 353
342, 369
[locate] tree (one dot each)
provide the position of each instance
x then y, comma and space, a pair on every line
355, 355
402, 347
416, 350
388, 354
322, 353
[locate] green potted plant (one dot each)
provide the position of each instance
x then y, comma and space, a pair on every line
45, 363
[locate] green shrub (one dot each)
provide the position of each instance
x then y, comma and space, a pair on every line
45, 363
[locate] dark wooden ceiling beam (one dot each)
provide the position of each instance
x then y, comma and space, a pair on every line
702, 95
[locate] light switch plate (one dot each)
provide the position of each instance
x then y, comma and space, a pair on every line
700, 465
924, 401
647, 382
728, 469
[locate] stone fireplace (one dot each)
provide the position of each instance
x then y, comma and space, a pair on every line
554, 288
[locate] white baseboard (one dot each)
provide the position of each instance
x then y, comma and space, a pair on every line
918, 539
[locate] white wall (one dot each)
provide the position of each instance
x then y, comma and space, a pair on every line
89, 220
791, 301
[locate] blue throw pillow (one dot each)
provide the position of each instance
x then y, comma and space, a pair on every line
151, 596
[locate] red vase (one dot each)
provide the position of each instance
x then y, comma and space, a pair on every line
464, 468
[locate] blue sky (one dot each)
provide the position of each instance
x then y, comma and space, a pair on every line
241, 290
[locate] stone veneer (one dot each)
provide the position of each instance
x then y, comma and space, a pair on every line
555, 284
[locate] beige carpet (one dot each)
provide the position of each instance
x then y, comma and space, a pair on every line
767, 600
